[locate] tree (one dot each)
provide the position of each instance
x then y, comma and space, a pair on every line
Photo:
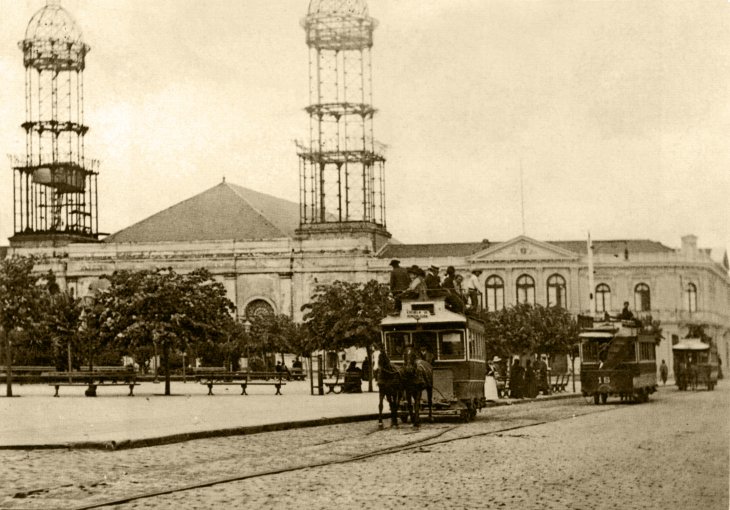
165, 310
342, 315
61, 323
21, 293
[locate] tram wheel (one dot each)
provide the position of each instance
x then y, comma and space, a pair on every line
604, 397
596, 398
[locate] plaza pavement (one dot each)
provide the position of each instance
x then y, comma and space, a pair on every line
112, 420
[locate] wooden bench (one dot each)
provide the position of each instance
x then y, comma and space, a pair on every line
243, 379
92, 380
560, 383
334, 386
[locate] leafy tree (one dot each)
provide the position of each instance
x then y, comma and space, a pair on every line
165, 310
273, 333
342, 315
61, 323
525, 328
21, 293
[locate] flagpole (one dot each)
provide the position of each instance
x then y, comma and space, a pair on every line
591, 283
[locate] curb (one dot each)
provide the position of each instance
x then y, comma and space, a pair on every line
190, 436
240, 431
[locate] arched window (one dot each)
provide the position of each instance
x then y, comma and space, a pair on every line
525, 290
603, 298
556, 291
257, 308
642, 298
495, 293
691, 297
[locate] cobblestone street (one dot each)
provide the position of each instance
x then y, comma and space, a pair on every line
669, 453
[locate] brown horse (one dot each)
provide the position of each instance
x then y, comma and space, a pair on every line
389, 388
417, 376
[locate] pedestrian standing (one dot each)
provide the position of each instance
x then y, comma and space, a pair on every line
664, 372
516, 379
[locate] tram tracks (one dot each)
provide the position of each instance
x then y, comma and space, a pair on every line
342, 444
424, 442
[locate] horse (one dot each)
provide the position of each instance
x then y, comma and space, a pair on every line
417, 376
389, 388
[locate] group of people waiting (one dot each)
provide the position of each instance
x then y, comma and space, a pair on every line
530, 380
415, 283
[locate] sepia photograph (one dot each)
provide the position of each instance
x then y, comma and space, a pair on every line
466, 254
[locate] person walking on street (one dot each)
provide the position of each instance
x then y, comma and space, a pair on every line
663, 372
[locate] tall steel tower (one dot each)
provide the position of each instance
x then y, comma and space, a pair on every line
342, 183
54, 184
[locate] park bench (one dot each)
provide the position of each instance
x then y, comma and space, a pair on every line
242, 379
560, 382
334, 386
25, 373
120, 376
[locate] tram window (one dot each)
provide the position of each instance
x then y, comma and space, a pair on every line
647, 352
451, 345
425, 340
590, 352
395, 343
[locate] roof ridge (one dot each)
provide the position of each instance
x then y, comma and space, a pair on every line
256, 210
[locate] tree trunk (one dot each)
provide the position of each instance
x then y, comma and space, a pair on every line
166, 366
370, 368
8, 364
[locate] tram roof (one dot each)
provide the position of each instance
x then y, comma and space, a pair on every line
432, 311
690, 344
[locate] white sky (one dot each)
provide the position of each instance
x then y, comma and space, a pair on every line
617, 110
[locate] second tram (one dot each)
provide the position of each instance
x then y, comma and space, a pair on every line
617, 359
695, 363
453, 343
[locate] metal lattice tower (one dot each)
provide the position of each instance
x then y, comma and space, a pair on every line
342, 166
54, 185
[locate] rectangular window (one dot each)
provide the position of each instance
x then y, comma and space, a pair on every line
451, 345
395, 343
425, 340
476, 345
590, 352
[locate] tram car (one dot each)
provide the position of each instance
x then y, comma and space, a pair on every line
695, 364
456, 345
616, 359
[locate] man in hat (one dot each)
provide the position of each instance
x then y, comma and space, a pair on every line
454, 301
432, 278
399, 282
417, 287
472, 288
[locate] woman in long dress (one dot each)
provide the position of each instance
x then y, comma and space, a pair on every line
490, 383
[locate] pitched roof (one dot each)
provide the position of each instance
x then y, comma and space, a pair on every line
466, 249
223, 212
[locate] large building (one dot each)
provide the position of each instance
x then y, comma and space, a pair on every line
271, 253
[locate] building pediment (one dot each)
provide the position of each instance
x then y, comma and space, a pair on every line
523, 248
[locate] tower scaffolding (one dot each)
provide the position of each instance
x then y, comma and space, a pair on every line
342, 165
54, 184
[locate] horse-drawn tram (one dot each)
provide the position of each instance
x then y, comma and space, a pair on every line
617, 359
454, 345
695, 364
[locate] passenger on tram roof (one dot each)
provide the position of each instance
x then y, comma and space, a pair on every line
417, 289
432, 278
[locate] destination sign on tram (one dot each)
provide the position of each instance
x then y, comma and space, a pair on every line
417, 314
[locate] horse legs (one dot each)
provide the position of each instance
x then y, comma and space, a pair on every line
416, 417
429, 395
380, 410
394, 405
